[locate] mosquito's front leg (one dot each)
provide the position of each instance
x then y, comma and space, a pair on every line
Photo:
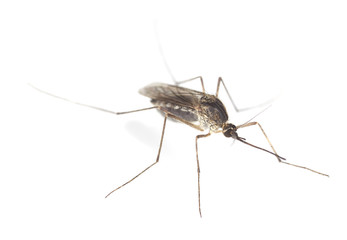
278, 157
256, 123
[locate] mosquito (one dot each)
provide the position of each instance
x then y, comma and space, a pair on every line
199, 110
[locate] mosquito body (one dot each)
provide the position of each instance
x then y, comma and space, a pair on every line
204, 111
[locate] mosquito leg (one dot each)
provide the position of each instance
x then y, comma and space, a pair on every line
220, 80
70, 101
89, 106
157, 160
191, 79
256, 123
167, 65
166, 114
168, 69
137, 110
198, 165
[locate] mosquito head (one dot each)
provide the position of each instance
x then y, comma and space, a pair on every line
229, 130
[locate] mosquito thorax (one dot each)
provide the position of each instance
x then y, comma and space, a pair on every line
213, 112
229, 130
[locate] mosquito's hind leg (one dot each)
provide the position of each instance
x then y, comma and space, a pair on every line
198, 165
157, 160
256, 123
138, 110
167, 65
90, 106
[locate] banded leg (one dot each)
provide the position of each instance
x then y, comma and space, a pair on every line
198, 165
278, 157
157, 160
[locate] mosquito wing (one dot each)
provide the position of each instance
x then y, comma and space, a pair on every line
182, 103
172, 95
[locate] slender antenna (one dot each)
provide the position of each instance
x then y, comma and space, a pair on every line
162, 52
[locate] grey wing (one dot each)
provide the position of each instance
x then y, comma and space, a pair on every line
183, 104
172, 94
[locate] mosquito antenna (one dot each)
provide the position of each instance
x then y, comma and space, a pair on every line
65, 99
240, 126
162, 53
243, 141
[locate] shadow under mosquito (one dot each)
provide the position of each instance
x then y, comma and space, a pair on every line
150, 136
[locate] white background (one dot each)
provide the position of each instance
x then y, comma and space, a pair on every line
58, 160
